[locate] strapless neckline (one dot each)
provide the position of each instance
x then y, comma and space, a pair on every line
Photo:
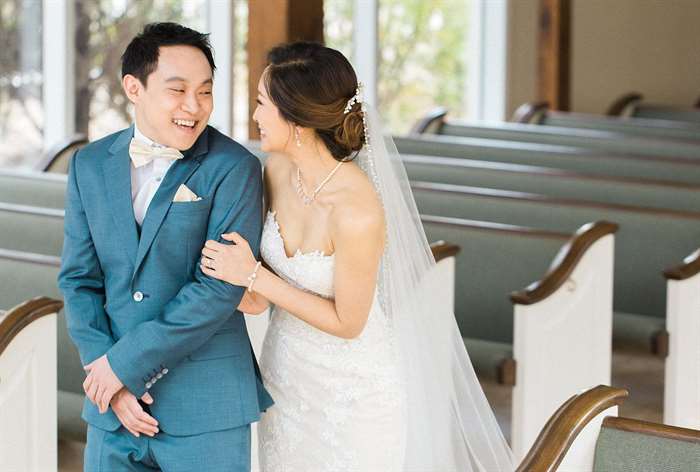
271, 214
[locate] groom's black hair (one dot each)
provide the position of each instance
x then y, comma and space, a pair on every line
141, 55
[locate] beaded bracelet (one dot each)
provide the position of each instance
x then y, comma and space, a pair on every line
252, 277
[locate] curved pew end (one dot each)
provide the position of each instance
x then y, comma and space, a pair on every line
28, 383
568, 432
562, 334
56, 158
682, 373
624, 106
431, 123
530, 113
564, 263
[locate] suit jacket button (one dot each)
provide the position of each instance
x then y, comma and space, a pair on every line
138, 296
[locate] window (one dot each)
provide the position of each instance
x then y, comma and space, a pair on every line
21, 108
423, 59
103, 30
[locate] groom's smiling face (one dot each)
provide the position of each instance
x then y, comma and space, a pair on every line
174, 105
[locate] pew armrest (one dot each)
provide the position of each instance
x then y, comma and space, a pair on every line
564, 263
682, 376
561, 431
28, 382
15, 320
431, 123
530, 113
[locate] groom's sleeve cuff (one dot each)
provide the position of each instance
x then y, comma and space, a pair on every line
127, 371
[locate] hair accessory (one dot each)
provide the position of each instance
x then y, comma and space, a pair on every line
357, 98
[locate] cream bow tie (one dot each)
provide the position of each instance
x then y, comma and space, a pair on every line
142, 153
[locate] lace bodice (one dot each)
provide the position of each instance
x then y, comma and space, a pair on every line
311, 271
337, 401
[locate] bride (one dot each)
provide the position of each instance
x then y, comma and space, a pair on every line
366, 374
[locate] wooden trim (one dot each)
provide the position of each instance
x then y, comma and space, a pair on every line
490, 226
652, 429
32, 210
21, 316
431, 123
564, 263
689, 268
620, 106
532, 113
54, 152
563, 427
553, 53
34, 258
506, 371
443, 250
660, 343
273, 22
534, 197
697, 103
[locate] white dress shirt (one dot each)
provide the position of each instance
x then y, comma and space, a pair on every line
145, 180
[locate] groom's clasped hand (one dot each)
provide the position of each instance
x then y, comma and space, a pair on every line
103, 388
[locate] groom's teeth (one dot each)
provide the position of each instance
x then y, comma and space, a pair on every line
189, 123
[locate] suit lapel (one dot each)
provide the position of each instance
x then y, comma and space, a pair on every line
117, 182
178, 173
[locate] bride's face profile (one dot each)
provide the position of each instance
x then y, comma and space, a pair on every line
276, 134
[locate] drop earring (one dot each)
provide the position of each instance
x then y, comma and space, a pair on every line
297, 136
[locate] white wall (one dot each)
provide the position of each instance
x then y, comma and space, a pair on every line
617, 46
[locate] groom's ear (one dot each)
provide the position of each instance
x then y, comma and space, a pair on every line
132, 87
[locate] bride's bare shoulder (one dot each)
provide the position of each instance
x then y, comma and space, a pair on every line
357, 207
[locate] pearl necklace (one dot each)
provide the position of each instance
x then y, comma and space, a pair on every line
300, 186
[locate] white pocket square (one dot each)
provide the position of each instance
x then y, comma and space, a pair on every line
184, 194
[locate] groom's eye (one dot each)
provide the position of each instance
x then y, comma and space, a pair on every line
177, 90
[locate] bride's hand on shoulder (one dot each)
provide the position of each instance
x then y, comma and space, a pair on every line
232, 263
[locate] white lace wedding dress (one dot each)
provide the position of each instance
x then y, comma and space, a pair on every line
339, 404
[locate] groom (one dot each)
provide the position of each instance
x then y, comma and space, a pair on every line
172, 383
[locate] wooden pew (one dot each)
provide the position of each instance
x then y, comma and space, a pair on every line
601, 140
582, 436
682, 373
554, 182
556, 340
27, 385
31, 229
33, 275
633, 104
539, 114
32, 188
56, 158
649, 240
555, 156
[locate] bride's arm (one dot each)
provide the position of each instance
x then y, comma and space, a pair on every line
253, 303
358, 239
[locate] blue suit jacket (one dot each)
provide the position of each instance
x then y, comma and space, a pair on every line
166, 327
